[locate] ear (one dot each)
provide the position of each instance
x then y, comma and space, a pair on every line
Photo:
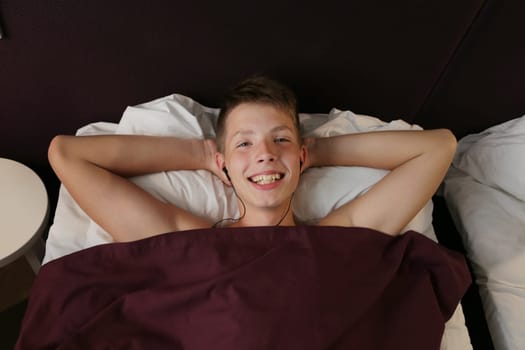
303, 157
221, 164
219, 160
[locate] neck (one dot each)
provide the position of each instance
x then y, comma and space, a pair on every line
279, 216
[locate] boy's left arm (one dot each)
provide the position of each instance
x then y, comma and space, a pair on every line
417, 160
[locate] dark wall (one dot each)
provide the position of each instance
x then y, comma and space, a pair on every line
64, 64
484, 84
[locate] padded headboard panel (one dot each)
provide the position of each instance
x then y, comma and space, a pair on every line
64, 64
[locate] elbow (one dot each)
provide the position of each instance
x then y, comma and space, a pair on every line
55, 151
447, 142
452, 142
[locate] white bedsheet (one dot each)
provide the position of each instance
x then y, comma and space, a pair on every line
319, 192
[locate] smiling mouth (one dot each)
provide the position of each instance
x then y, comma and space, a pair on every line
265, 179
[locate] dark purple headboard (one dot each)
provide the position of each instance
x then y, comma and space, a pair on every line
440, 63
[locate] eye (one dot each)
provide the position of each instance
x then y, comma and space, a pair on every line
243, 144
281, 139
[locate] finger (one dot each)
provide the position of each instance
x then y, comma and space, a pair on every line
225, 179
221, 175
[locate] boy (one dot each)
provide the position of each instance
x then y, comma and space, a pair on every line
260, 153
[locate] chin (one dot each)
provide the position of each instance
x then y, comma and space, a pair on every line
272, 203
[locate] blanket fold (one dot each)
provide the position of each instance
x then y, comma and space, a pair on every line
305, 287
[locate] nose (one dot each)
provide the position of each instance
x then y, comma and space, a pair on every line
266, 152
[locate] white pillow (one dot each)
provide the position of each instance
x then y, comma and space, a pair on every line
496, 157
320, 190
491, 224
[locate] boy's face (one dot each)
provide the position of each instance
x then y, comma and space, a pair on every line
262, 153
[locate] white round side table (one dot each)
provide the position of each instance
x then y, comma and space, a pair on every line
23, 214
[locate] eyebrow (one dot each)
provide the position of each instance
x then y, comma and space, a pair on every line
251, 132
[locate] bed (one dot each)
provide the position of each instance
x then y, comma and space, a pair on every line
67, 66
321, 190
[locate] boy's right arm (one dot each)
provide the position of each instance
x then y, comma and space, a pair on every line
94, 170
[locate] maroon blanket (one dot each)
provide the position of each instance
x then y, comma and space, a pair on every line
250, 288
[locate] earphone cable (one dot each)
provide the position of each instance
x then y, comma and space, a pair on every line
287, 210
233, 219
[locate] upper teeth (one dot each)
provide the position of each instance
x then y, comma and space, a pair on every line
266, 179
